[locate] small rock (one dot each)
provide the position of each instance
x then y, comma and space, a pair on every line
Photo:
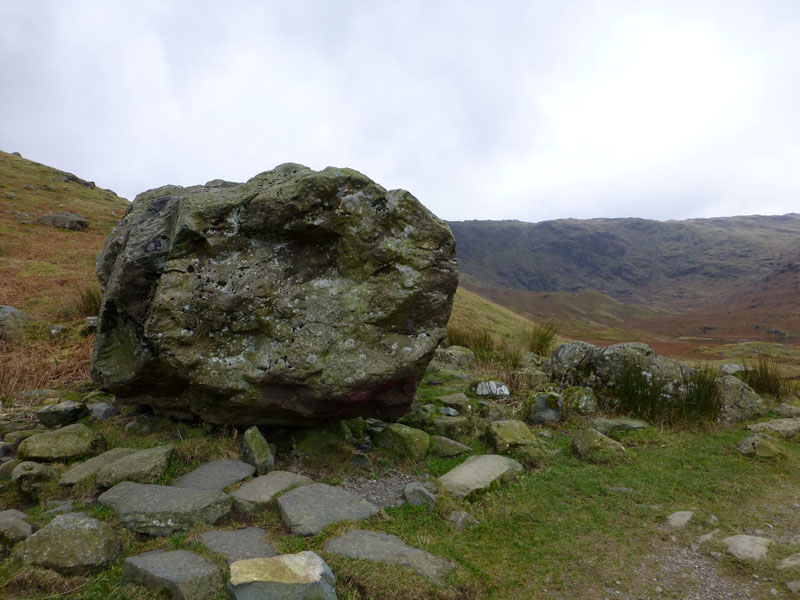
450, 426
761, 445
609, 426
308, 509
417, 494
141, 425
64, 220
595, 447
30, 477
459, 401
67, 443
64, 413
185, 575
7, 449
143, 466
256, 495
361, 460
790, 562
255, 451
478, 473
580, 400
462, 519
56, 507
704, 538
404, 441
14, 528
102, 411
239, 544
494, 389
301, 576
71, 544
509, 434
546, 407
447, 411
785, 427
794, 586
216, 475
747, 547
680, 519
445, 447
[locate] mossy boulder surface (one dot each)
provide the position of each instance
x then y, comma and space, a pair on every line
595, 447
66, 443
296, 297
404, 441
508, 434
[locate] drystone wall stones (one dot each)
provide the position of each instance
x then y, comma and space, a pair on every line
184, 575
479, 473
308, 509
296, 297
301, 576
384, 548
67, 443
71, 544
164, 510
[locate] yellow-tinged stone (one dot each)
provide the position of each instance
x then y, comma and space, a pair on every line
303, 567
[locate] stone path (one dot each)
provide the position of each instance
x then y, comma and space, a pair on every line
258, 494
478, 473
186, 575
308, 509
239, 544
216, 475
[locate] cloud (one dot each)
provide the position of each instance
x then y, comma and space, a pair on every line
520, 110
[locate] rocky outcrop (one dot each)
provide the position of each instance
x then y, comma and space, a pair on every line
295, 297
64, 220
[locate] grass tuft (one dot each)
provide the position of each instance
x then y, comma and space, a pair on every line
766, 376
541, 338
87, 304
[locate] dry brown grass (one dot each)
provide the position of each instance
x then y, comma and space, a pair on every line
32, 580
39, 365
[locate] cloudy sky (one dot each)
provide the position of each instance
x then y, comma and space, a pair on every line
529, 110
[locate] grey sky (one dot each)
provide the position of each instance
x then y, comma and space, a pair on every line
527, 110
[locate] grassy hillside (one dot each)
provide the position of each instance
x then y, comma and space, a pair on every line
44, 270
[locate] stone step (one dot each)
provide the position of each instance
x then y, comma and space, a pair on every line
478, 473
185, 575
216, 475
239, 544
308, 509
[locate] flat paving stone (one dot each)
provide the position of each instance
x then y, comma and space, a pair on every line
144, 466
384, 548
258, 494
301, 576
239, 544
163, 509
92, 466
478, 473
216, 475
185, 575
308, 509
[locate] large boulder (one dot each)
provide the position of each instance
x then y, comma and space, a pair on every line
13, 322
295, 297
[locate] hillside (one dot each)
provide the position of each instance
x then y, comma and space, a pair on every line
671, 264
42, 269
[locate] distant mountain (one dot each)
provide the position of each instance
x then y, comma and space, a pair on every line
673, 265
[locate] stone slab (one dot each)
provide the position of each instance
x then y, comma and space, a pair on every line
239, 544
478, 473
92, 466
301, 576
785, 427
308, 509
144, 466
259, 493
216, 475
184, 575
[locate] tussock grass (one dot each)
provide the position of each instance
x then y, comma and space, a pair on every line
87, 304
541, 338
766, 376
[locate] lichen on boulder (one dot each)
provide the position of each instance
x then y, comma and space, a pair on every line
295, 297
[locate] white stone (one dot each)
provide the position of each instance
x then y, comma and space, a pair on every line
680, 519
747, 547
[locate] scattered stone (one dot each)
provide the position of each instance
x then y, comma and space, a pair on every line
479, 473
787, 410
761, 445
13, 322
785, 427
361, 460
256, 495
68, 443
492, 411
57, 507
64, 413
509, 434
739, 400
308, 509
708, 536
301, 576
419, 416
580, 400
595, 447
450, 426
462, 519
418, 494
14, 527
546, 407
621, 489
459, 401
794, 586
747, 547
730, 369
216, 475
445, 447
102, 411
493, 389
143, 466
458, 356
239, 544
679, 519
164, 510
88, 468
609, 426
448, 412
64, 220
30, 477
255, 451
531, 378
790, 562
71, 544
384, 548
405, 441
184, 575
141, 425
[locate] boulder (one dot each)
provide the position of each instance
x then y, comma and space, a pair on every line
404, 441
595, 447
30, 477
67, 443
14, 527
89, 468
545, 407
479, 473
215, 475
63, 413
301, 576
308, 509
71, 544
256, 495
181, 574
739, 401
296, 297
144, 466
509, 434
164, 510
13, 322
417, 493
239, 544
255, 451
389, 549
761, 445
64, 220
580, 400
